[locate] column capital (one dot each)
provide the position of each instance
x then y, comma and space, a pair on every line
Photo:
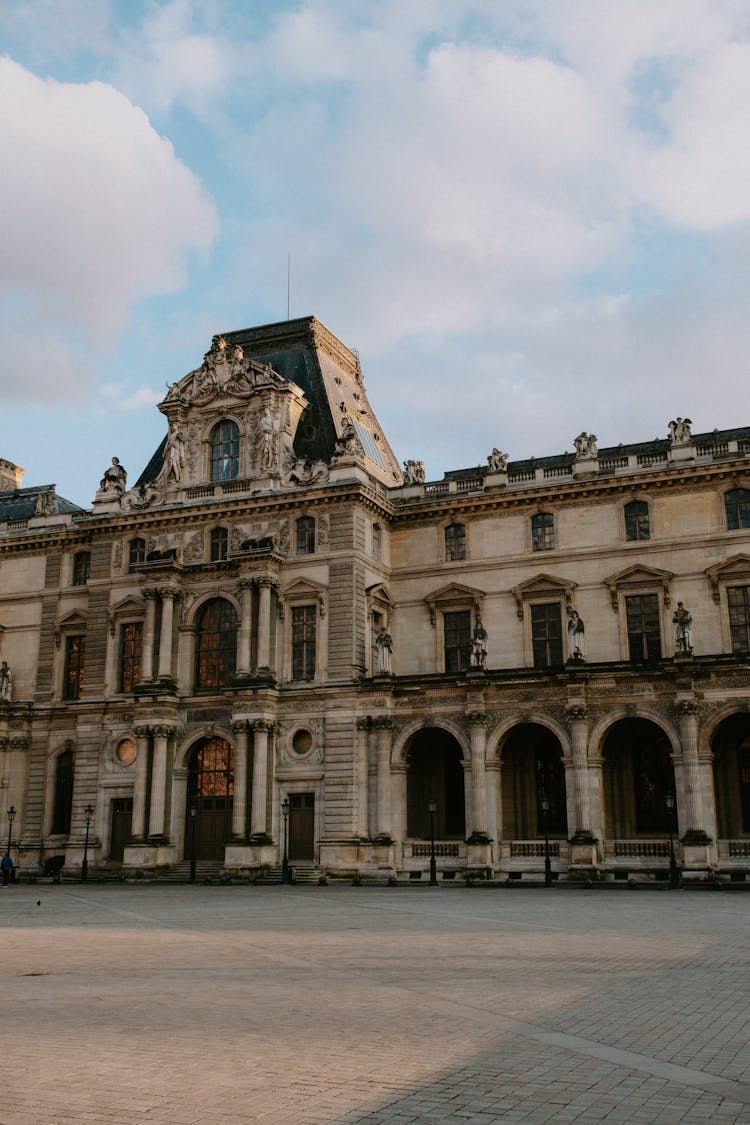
686, 707
577, 713
262, 725
169, 592
163, 730
364, 723
478, 719
383, 722
150, 593
239, 725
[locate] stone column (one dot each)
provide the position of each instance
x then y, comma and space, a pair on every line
399, 771
690, 809
361, 769
258, 824
239, 803
384, 741
147, 662
244, 634
158, 782
494, 802
578, 721
264, 625
478, 722
168, 596
140, 785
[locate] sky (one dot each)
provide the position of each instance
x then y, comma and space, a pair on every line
529, 218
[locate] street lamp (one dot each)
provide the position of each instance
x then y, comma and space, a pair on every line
285, 861
674, 878
11, 818
89, 812
193, 812
432, 808
547, 862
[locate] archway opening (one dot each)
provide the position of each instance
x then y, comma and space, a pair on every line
533, 770
638, 775
209, 799
731, 748
435, 773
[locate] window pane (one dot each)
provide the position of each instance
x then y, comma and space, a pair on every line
75, 652
303, 642
644, 632
637, 521
219, 544
543, 531
131, 648
216, 645
546, 634
737, 503
457, 637
225, 451
81, 568
306, 535
738, 598
455, 542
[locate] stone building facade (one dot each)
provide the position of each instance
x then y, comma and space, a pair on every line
279, 637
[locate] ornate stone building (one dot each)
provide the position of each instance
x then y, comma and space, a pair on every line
279, 634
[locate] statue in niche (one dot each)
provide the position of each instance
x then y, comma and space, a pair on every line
383, 652
479, 645
115, 478
682, 620
679, 431
6, 682
497, 462
174, 454
586, 446
265, 439
576, 636
349, 441
414, 472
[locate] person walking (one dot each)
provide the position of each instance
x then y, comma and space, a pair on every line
6, 866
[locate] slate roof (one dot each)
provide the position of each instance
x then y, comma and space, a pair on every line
20, 503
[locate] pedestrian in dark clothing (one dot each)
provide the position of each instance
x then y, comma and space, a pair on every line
6, 866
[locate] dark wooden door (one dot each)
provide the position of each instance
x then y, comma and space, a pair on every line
120, 827
301, 827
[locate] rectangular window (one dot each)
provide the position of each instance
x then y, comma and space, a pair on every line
644, 631
457, 638
75, 655
455, 542
306, 536
219, 544
131, 649
81, 568
637, 521
546, 635
303, 642
543, 531
738, 598
136, 553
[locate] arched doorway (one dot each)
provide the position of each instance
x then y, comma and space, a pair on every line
638, 775
533, 770
435, 773
210, 790
731, 749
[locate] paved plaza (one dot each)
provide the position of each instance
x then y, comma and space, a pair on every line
336, 1005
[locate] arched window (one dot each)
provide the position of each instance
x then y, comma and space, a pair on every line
455, 542
306, 535
636, 520
136, 553
225, 450
63, 792
215, 645
737, 504
219, 544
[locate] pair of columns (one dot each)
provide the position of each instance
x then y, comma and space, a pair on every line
259, 822
167, 595
149, 823
264, 664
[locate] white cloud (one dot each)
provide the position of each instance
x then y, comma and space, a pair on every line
97, 214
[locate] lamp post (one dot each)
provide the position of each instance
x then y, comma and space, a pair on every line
89, 812
193, 813
432, 808
547, 862
674, 878
11, 818
285, 861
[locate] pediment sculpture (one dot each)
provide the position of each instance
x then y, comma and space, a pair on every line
224, 373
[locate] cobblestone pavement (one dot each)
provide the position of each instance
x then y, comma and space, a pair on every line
377, 1006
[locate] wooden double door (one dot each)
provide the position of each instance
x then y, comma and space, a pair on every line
301, 827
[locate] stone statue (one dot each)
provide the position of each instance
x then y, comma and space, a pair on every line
585, 446
265, 439
174, 454
6, 682
683, 629
576, 636
414, 472
383, 650
45, 504
114, 478
497, 461
479, 645
349, 441
679, 431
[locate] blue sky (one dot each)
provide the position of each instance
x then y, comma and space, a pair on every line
530, 219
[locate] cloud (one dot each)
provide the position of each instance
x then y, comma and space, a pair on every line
97, 214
